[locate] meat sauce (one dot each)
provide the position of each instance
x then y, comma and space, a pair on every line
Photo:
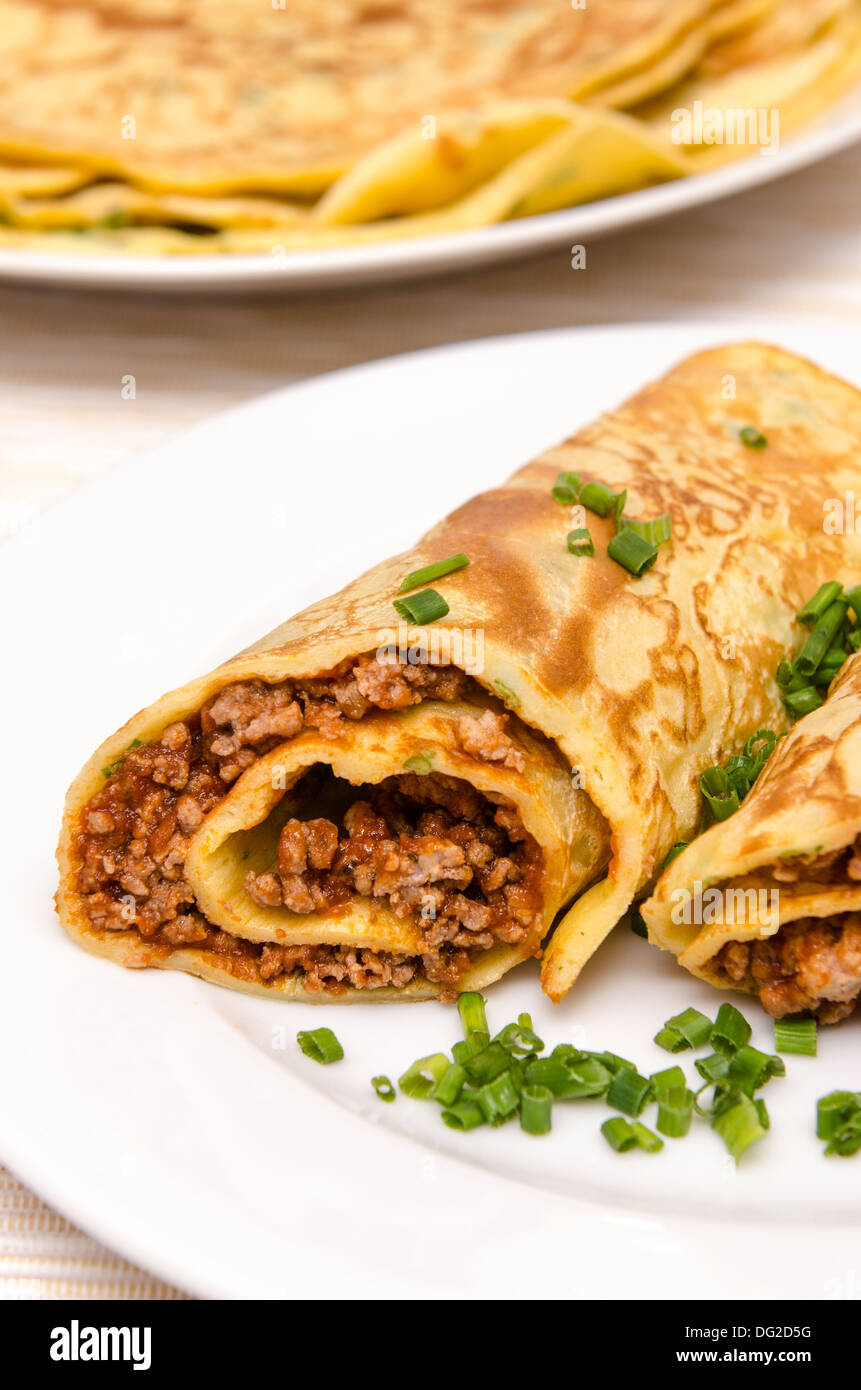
431, 847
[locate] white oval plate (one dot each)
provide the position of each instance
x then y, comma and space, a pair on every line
399, 260
178, 1122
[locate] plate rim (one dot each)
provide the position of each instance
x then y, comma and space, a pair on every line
312, 271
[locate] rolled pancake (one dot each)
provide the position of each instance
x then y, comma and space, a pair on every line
633, 685
787, 867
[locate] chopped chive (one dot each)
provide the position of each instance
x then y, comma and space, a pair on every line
619, 1134
749, 1069
419, 1080
788, 678
674, 853
567, 488
751, 437
612, 1061
694, 1027
723, 799
631, 552
821, 601
645, 1139
667, 1079
432, 572
498, 1099
622, 1136
519, 1039
450, 1084
853, 598
491, 1062
833, 1110
803, 701
821, 638
740, 1125
598, 498
687, 1029
675, 1111
629, 1092
465, 1114
422, 763
760, 747
713, 1068
830, 665
731, 1030
536, 1108
508, 696
476, 1042
320, 1045
580, 542
619, 507
470, 1006
569, 1078
795, 1035
384, 1088
656, 531
424, 607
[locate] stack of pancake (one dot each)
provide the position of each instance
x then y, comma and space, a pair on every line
195, 126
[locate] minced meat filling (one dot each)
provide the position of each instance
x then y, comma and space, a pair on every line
429, 845
812, 965
433, 849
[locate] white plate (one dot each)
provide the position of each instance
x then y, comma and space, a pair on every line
839, 128
160, 1113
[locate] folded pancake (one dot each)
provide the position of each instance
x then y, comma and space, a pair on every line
785, 921
350, 809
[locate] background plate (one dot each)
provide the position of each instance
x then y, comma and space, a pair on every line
178, 1122
398, 260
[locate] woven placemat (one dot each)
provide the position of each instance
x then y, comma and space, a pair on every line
42, 1256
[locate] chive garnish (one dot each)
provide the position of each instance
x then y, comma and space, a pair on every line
656, 531
823, 598
449, 1086
800, 702
598, 498
320, 1045
821, 638
567, 488
674, 853
536, 1107
751, 437
795, 1035
622, 1136
853, 598
749, 1069
731, 1030
498, 1099
423, 607
384, 1088
838, 1120
638, 926
473, 1016
687, 1029
580, 542
419, 1080
632, 552
722, 797
464, 1115
740, 1124
675, 1111
431, 572
629, 1091
419, 762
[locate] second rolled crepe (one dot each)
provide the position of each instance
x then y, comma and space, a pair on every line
352, 810
769, 901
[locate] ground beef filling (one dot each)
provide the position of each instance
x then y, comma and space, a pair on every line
433, 850
431, 846
809, 966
